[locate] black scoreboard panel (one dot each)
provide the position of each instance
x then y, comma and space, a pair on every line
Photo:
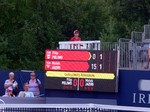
81, 84
81, 70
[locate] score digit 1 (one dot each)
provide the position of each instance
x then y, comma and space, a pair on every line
101, 56
100, 66
101, 59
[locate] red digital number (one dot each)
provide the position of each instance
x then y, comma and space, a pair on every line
75, 82
81, 82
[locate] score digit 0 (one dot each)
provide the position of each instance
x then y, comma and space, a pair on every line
75, 82
94, 56
81, 82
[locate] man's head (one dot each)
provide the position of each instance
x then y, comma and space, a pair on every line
11, 75
26, 86
76, 33
32, 75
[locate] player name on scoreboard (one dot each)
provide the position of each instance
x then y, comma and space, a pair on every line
67, 55
66, 65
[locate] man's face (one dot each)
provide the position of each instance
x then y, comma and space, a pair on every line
26, 86
11, 76
76, 34
32, 76
9, 91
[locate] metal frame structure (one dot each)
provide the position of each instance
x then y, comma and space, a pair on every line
133, 52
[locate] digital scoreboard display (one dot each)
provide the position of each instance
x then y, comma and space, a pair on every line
81, 70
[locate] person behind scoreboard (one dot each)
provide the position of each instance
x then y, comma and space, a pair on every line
76, 36
148, 57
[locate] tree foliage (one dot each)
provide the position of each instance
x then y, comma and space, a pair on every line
28, 27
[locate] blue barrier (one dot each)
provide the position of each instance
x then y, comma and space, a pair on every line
134, 88
21, 78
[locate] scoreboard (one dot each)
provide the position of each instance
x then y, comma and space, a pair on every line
81, 70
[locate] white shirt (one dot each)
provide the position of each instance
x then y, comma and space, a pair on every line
12, 86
